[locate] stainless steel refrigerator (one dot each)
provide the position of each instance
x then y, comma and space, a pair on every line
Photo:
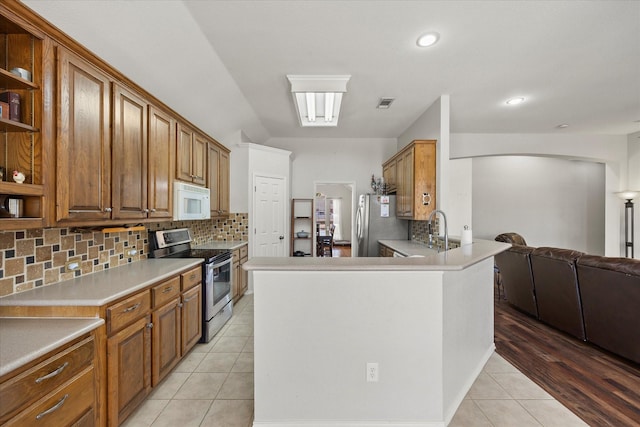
372, 224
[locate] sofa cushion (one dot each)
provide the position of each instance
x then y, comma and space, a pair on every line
513, 238
610, 291
514, 267
622, 265
556, 286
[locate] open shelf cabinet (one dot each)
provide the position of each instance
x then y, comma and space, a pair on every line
20, 139
301, 220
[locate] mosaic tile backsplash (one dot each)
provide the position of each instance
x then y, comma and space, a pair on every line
38, 257
420, 233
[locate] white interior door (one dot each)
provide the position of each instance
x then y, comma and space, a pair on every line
269, 216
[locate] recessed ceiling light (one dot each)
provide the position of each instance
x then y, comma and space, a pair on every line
515, 101
563, 126
428, 39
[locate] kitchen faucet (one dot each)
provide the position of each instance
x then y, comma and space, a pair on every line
446, 232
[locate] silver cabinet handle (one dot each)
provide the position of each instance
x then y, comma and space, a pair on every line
180, 305
52, 374
167, 289
153, 210
133, 307
150, 325
53, 408
189, 299
145, 210
108, 209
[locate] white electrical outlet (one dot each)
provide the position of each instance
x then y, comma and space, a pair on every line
372, 372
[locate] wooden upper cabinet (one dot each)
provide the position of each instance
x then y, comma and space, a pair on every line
389, 173
83, 169
129, 151
218, 179
415, 174
199, 159
213, 177
406, 189
191, 155
162, 146
223, 186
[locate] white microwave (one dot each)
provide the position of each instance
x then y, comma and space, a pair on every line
190, 202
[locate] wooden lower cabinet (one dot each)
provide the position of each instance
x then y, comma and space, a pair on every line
240, 279
129, 369
191, 318
165, 339
384, 251
59, 391
106, 374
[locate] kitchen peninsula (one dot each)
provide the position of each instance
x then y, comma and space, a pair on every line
371, 341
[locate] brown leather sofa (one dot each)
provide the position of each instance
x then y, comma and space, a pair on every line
594, 298
610, 292
514, 269
511, 237
556, 288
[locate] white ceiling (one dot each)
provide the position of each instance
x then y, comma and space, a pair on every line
576, 62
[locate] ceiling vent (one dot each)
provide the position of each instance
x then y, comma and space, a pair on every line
385, 103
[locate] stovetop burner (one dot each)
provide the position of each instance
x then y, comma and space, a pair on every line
177, 244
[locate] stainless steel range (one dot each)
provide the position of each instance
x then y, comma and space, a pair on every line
217, 306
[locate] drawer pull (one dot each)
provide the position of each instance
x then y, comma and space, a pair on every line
133, 307
167, 289
53, 408
189, 299
193, 276
52, 374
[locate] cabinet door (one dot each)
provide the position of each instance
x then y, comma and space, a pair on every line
424, 180
191, 318
244, 278
223, 186
183, 153
389, 175
166, 339
129, 171
83, 168
400, 187
408, 183
199, 159
128, 369
235, 285
213, 178
162, 145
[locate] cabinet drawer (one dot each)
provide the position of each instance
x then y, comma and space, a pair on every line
236, 255
121, 314
62, 407
191, 278
38, 381
244, 252
165, 291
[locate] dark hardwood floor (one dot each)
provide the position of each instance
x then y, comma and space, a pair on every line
599, 387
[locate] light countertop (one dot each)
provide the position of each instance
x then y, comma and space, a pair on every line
103, 287
453, 259
44, 335
231, 245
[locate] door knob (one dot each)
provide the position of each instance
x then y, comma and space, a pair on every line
281, 237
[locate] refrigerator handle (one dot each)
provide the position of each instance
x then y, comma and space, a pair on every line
359, 223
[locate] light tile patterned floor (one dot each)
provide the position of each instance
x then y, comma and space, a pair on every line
213, 387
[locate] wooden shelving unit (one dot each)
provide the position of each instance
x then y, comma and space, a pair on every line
21, 141
301, 220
